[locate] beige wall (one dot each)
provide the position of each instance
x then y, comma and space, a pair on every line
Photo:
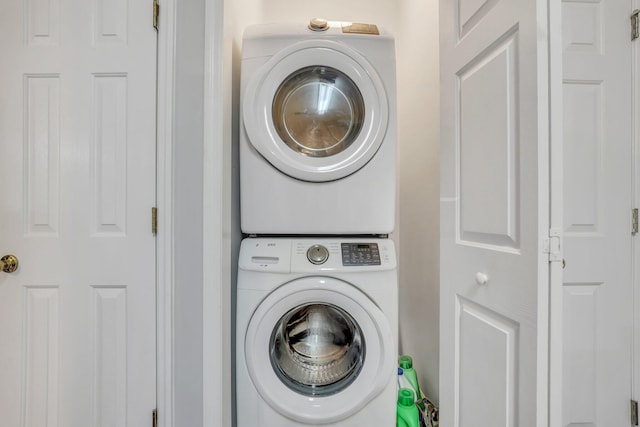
415, 25
418, 232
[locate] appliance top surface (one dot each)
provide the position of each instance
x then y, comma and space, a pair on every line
309, 255
301, 31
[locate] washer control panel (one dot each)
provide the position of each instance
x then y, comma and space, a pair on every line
354, 253
316, 254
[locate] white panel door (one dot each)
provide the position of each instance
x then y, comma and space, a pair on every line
598, 290
77, 172
494, 212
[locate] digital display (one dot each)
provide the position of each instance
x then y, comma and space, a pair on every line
360, 254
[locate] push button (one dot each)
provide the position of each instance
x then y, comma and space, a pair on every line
317, 254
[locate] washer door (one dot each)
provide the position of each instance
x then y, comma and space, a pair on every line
317, 111
318, 349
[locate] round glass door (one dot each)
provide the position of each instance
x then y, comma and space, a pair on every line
317, 349
318, 111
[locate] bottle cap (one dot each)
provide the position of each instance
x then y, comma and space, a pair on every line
405, 397
405, 362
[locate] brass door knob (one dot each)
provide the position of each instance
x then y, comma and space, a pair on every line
9, 263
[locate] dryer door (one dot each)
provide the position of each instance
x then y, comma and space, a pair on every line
317, 111
318, 349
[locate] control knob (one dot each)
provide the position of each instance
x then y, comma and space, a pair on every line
317, 254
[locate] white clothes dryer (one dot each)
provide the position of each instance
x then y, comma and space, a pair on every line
317, 129
316, 333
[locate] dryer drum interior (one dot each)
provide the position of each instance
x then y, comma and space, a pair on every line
318, 111
317, 349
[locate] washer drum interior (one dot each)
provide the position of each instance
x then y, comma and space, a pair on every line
317, 349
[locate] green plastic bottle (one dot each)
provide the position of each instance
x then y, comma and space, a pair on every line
407, 412
406, 363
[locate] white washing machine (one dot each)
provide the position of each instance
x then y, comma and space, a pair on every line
316, 333
318, 129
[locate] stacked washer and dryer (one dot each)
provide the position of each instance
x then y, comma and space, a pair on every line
317, 291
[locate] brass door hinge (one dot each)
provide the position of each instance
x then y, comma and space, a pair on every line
634, 221
155, 418
154, 220
635, 27
156, 14
634, 413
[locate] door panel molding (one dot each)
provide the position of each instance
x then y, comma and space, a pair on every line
500, 374
488, 211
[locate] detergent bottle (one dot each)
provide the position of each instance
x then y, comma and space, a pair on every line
403, 382
407, 412
406, 363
